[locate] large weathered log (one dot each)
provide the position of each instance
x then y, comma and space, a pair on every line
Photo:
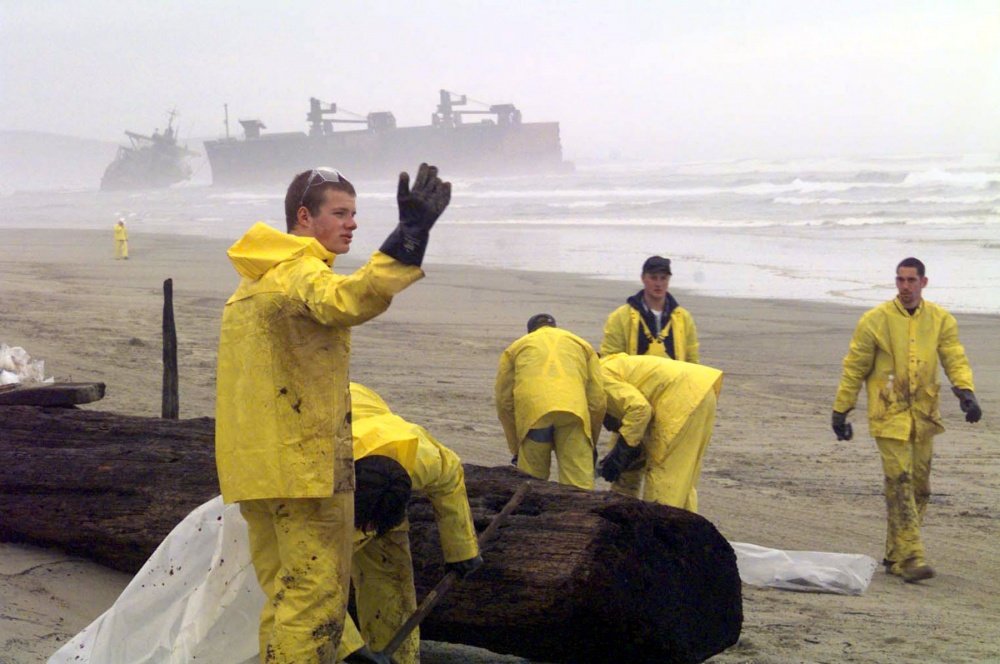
99, 485
573, 576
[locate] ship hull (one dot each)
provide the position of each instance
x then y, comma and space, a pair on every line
474, 149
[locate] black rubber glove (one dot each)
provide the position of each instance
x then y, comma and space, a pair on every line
612, 423
513, 461
364, 655
968, 404
465, 567
617, 460
842, 427
419, 208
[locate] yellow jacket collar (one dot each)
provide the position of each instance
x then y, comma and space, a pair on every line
263, 247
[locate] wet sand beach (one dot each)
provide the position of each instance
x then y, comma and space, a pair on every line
774, 475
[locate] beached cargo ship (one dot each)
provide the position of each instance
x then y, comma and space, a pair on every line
149, 162
497, 143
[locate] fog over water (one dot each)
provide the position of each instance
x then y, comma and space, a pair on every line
670, 81
772, 149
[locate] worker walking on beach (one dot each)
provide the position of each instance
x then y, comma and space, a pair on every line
283, 409
895, 352
550, 398
382, 572
663, 412
651, 322
121, 240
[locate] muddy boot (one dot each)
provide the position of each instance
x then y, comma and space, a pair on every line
913, 570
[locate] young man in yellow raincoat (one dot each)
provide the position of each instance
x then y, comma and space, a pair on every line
121, 240
283, 410
651, 322
663, 412
895, 352
550, 397
382, 564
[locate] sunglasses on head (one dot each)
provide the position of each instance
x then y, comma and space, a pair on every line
318, 176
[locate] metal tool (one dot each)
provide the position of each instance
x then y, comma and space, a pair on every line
445, 584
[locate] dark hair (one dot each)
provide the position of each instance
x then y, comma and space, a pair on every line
912, 262
313, 198
540, 320
381, 494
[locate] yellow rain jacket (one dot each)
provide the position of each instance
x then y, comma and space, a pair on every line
435, 470
121, 234
896, 355
545, 371
283, 410
641, 388
625, 324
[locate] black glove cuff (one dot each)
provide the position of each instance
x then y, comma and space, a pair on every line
406, 247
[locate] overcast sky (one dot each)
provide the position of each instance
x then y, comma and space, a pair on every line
671, 81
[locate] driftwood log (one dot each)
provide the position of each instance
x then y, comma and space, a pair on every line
572, 576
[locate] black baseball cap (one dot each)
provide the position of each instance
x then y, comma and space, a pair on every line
656, 264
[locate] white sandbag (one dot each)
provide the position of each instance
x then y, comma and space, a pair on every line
195, 600
807, 571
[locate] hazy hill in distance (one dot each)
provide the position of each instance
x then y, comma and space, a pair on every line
34, 161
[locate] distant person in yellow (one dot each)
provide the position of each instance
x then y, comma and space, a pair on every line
382, 564
283, 446
550, 397
663, 412
895, 352
651, 322
121, 240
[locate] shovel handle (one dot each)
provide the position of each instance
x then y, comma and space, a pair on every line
445, 584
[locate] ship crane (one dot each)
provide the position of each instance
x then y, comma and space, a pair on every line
321, 118
447, 116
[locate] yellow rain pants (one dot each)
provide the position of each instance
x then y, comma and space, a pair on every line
385, 596
907, 468
573, 449
674, 481
301, 551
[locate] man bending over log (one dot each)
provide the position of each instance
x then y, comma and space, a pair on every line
663, 411
283, 409
382, 568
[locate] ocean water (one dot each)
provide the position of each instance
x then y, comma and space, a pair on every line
818, 229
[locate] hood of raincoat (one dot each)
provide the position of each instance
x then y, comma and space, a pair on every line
263, 247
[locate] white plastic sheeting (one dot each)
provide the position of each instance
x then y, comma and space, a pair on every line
197, 600
807, 571
16, 366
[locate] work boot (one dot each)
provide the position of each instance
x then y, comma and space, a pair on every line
913, 570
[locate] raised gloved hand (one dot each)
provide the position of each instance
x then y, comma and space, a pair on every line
617, 460
842, 427
465, 567
968, 404
419, 208
364, 655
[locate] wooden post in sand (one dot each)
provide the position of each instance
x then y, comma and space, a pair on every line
171, 401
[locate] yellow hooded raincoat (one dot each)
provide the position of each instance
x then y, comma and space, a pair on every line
896, 356
667, 407
547, 372
283, 426
622, 329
